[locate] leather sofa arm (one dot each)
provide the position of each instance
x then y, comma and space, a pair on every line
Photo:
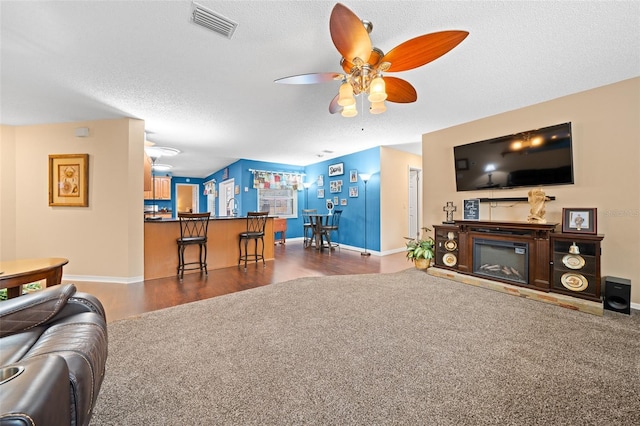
39, 395
82, 302
33, 309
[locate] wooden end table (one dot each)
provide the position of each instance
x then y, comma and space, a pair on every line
15, 273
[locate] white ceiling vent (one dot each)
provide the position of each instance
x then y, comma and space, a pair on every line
212, 20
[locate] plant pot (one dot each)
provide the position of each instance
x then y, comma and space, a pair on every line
422, 263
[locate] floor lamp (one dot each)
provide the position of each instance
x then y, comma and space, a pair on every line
306, 194
365, 178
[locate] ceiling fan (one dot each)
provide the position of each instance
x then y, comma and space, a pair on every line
364, 64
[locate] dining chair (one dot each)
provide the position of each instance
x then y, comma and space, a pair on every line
307, 226
332, 226
256, 222
193, 230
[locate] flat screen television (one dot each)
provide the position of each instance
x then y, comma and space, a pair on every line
537, 157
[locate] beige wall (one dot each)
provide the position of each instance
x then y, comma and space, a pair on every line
103, 242
7, 192
606, 151
394, 197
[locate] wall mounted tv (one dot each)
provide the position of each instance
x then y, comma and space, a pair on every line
538, 157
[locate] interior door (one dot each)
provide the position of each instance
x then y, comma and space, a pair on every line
414, 202
187, 198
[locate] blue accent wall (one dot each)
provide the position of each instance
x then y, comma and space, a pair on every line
352, 222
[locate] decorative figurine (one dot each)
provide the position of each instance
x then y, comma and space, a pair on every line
537, 198
449, 209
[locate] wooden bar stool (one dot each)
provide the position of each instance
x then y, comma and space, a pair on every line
256, 222
193, 230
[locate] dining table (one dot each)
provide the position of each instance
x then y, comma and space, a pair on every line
318, 221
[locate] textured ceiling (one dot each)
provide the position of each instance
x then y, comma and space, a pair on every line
215, 98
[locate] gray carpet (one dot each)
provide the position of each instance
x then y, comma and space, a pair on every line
404, 348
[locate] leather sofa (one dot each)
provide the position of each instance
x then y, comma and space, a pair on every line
53, 351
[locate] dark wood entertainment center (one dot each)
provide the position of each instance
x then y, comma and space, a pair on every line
525, 254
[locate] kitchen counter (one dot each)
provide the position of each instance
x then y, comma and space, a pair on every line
161, 249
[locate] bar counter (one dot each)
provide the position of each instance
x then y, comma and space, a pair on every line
161, 248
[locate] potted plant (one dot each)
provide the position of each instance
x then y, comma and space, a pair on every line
420, 251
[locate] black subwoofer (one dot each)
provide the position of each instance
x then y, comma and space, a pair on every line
617, 294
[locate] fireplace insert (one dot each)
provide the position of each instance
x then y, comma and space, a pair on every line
504, 260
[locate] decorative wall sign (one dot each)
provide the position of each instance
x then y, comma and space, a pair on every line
69, 180
471, 209
336, 169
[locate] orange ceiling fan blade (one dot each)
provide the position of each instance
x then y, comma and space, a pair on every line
349, 34
421, 50
313, 78
399, 91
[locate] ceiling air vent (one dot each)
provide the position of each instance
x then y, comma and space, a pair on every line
212, 20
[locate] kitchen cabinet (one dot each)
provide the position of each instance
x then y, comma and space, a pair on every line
163, 189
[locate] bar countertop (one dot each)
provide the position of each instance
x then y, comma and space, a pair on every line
161, 248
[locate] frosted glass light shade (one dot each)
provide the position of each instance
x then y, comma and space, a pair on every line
377, 91
345, 95
377, 107
349, 111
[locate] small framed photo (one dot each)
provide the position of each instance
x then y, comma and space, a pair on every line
336, 169
320, 181
69, 180
321, 193
353, 176
353, 191
343, 202
335, 186
579, 220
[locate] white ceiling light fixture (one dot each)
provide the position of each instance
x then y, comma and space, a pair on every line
155, 152
213, 21
161, 167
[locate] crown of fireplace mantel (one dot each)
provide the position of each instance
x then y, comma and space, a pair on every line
504, 225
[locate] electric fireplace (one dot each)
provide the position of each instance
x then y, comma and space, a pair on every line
504, 260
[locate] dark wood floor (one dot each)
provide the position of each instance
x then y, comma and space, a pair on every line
292, 261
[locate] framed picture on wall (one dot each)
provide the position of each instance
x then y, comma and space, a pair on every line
353, 176
336, 169
321, 193
320, 181
69, 180
353, 191
579, 220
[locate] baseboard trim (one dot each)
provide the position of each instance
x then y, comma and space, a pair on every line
568, 302
102, 279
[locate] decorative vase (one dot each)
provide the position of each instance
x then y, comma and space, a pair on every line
422, 263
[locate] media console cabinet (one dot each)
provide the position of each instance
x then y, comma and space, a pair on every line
525, 254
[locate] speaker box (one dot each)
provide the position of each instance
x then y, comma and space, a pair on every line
617, 294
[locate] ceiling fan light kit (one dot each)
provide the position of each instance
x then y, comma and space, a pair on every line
364, 64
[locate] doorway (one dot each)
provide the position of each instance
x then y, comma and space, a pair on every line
187, 200
414, 202
226, 195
